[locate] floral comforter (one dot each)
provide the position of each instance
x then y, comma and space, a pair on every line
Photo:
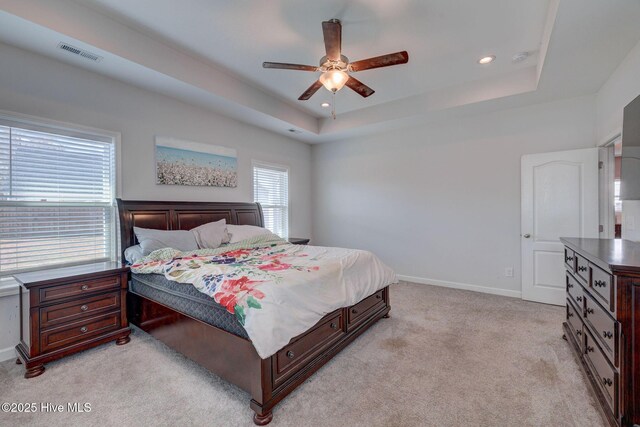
276, 290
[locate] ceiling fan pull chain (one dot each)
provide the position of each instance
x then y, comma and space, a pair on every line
333, 106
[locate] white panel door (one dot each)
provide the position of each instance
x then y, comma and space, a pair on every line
559, 199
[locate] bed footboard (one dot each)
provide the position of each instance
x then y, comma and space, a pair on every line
235, 359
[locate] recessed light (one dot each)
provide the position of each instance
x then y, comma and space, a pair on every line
487, 60
325, 105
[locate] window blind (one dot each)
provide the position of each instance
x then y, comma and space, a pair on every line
56, 199
271, 190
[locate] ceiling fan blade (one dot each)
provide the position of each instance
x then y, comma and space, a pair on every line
380, 61
359, 87
332, 31
309, 92
285, 66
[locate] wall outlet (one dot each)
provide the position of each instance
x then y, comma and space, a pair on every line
508, 272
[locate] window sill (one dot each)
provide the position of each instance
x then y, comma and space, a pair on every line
8, 287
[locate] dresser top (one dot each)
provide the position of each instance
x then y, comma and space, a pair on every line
616, 254
76, 272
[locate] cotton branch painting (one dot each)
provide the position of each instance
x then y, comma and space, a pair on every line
191, 163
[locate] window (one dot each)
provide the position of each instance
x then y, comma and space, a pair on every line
56, 198
271, 190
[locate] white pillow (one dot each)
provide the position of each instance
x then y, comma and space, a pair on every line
242, 232
152, 240
133, 253
211, 235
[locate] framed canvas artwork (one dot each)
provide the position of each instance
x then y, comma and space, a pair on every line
180, 162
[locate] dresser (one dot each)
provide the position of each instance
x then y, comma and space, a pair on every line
603, 321
67, 310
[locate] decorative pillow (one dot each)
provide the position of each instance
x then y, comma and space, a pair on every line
242, 232
211, 235
152, 240
133, 253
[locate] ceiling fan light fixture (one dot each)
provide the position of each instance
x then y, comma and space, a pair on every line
325, 105
334, 80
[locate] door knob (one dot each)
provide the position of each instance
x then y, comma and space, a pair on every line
526, 236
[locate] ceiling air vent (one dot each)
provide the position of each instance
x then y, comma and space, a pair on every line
80, 52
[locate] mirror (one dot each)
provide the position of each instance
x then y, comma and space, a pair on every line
630, 172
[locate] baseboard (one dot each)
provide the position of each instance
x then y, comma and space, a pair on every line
7, 354
465, 286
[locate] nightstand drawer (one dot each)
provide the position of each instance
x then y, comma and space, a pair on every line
73, 310
54, 293
78, 331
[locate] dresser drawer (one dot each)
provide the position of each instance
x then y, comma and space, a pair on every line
575, 290
297, 353
569, 259
73, 310
605, 375
575, 324
604, 326
602, 287
81, 330
58, 292
360, 311
582, 269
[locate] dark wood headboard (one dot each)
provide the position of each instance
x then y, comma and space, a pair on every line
181, 216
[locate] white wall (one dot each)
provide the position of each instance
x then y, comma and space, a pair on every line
621, 88
441, 202
35, 85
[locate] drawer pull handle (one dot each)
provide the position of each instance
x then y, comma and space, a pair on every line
570, 314
354, 311
290, 354
607, 381
590, 349
333, 325
84, 308
578, 332
589, 310
84, 287
379, 296
569, 258
579, 299
599, 283
83, 329
582, 268
607, 334
569, 285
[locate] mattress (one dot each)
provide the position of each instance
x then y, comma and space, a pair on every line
186, 299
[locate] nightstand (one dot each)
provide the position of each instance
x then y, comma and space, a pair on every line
298, 240
67, 310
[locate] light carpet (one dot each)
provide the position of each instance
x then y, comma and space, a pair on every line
445, 358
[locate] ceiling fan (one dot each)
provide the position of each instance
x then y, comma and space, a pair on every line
335, 67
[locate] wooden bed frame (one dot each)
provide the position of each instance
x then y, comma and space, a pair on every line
225, 354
